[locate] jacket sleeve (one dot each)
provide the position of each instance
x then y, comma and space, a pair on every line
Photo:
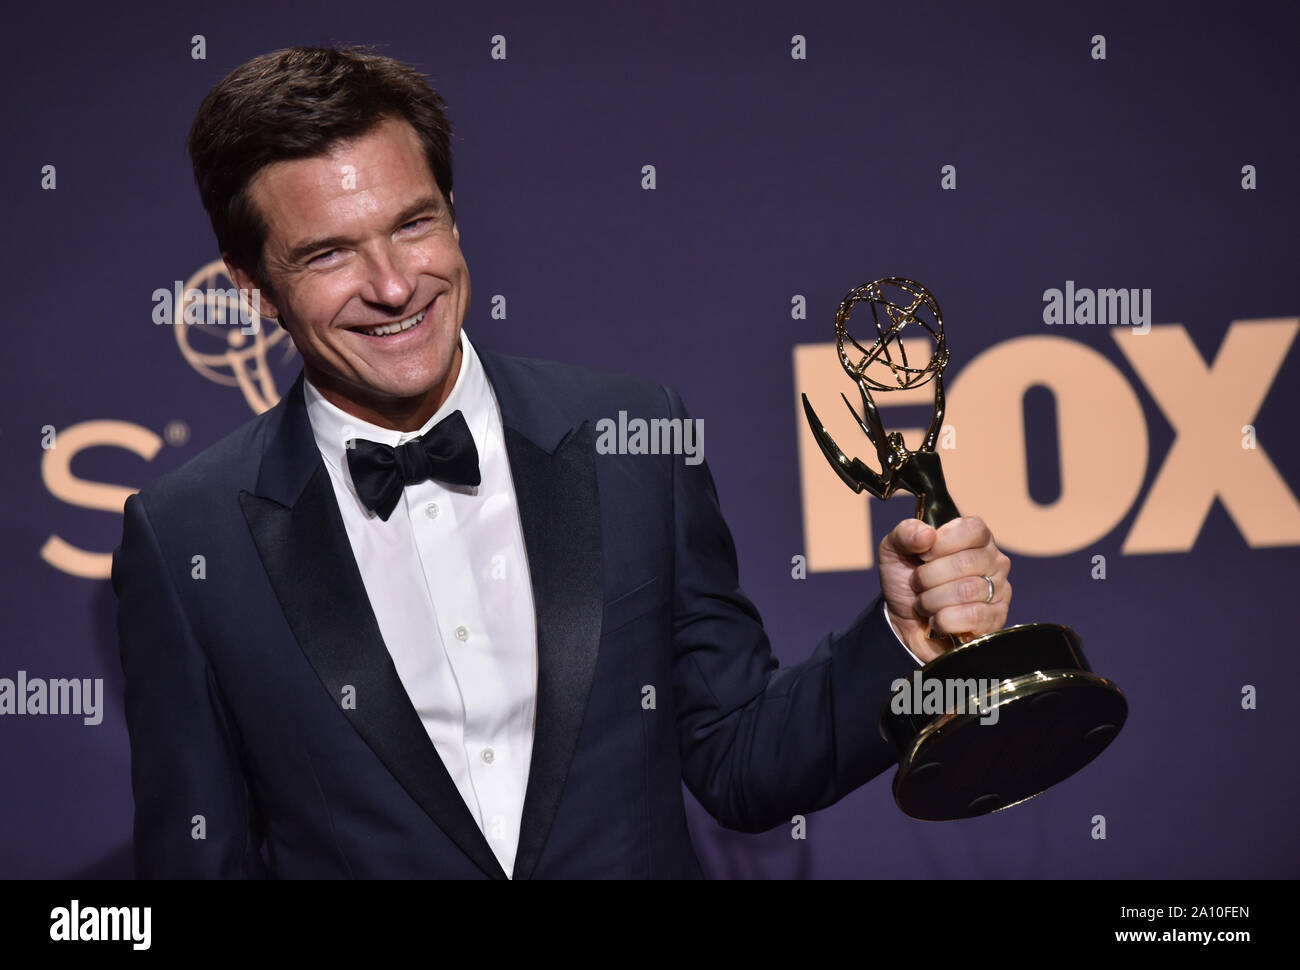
761, 743
185, 759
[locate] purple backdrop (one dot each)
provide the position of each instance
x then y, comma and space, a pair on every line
776, 176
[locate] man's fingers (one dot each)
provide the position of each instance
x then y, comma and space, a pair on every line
984, 561
948, 586
967, 590
966, 532
974, 618
913, 537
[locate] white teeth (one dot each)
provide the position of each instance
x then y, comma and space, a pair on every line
398, 327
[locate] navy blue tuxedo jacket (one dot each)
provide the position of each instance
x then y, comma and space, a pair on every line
234, 681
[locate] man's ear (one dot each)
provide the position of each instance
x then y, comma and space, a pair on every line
244, 281
455, 229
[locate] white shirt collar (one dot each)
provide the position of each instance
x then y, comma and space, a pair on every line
471, 395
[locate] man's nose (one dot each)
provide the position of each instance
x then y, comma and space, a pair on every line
387, 281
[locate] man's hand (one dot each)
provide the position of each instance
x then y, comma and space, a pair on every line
937, 576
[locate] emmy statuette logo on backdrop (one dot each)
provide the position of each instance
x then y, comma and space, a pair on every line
230, 355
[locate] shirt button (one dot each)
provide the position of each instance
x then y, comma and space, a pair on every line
431, 510
462, 634
488, 756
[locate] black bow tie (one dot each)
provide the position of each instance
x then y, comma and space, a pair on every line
380, 472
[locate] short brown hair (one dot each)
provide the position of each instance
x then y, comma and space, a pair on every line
298, 103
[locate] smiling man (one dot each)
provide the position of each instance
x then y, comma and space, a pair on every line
440, 633
367, 273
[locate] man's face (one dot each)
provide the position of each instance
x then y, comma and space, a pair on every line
358, 238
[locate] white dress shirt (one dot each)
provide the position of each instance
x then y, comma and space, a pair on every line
447, 576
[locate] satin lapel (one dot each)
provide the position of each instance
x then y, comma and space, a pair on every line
299, 533
560, 511
554, 471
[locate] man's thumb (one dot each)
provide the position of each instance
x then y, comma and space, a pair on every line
915, 536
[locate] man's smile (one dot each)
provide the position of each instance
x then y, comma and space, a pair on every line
395, 327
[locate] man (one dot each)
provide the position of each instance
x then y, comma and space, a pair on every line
438, 634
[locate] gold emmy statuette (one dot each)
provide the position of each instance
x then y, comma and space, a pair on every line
1022, 709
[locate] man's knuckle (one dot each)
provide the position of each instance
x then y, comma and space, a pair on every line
953, 619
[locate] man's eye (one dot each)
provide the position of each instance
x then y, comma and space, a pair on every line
323, 257
415, 222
